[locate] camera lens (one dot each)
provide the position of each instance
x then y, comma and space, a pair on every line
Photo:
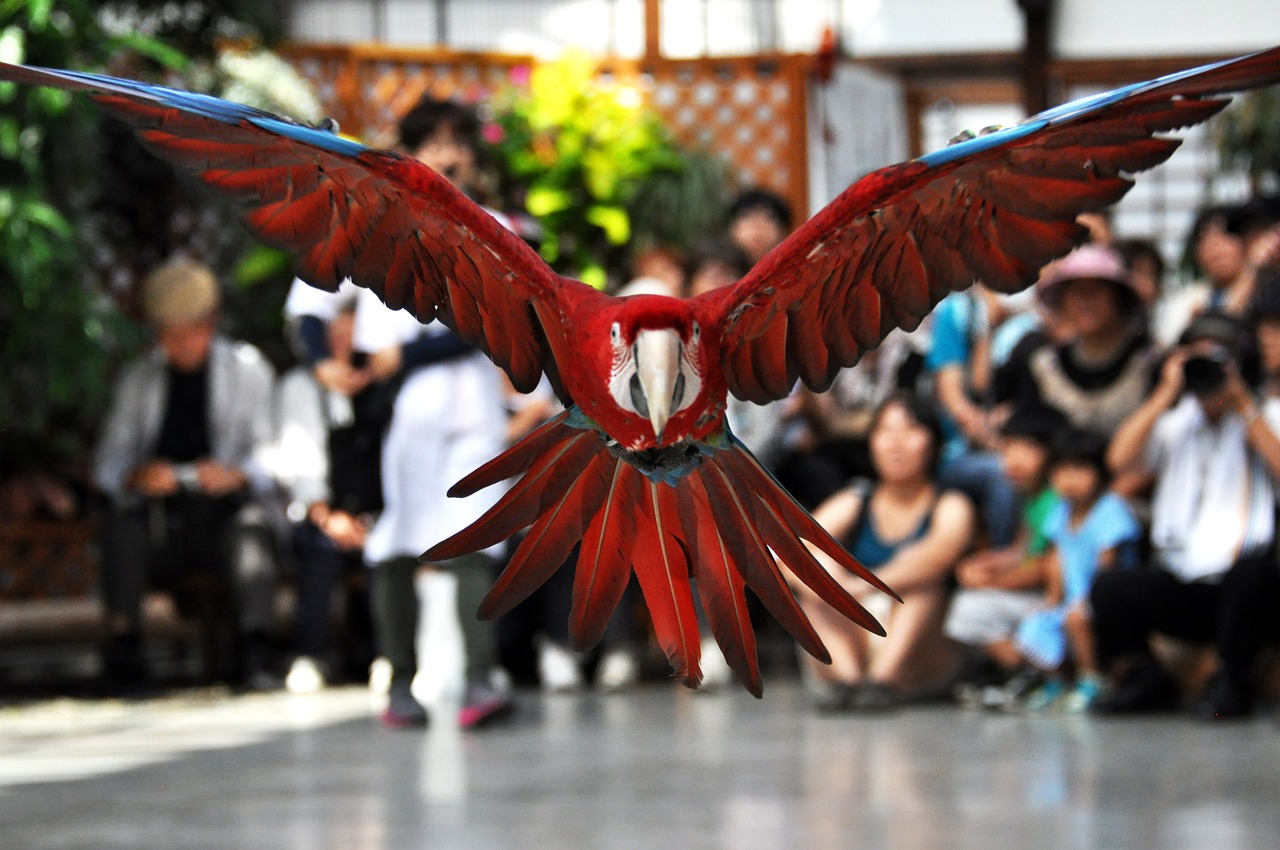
1205, 372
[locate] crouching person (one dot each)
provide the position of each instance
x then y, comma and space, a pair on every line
181, 460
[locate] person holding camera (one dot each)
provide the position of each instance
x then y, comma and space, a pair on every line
1215, 456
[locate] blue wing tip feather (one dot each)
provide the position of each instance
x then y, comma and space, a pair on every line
204, 105
1068, 111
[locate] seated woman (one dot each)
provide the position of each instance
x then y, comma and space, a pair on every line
911, 534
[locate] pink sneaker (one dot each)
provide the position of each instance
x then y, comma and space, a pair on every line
402, 711
483, 705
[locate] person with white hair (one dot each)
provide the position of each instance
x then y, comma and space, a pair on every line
183, 462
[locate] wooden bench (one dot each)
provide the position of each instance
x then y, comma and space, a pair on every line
52, 619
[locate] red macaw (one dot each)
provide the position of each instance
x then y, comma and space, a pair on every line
641, 469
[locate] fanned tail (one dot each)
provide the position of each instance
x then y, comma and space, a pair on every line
717, 524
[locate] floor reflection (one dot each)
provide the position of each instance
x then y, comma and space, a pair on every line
661, 767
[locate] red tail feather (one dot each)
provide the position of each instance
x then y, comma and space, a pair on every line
796, 518
663, 571
733, 517
541, 487
604, 564
515, 460
548, 544
720, 587
782, 539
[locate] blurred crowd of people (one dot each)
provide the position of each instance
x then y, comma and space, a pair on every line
1047, 478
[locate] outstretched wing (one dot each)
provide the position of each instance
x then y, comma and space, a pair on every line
386, 221
995, 208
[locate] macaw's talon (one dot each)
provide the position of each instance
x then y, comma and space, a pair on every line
669, 463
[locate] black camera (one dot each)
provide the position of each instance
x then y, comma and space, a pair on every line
1206, 371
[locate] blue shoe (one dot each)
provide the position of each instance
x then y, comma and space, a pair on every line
1084, 695
1046, 696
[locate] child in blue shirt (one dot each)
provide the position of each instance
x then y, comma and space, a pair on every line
1090, 530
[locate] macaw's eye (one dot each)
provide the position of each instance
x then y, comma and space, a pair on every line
697, 331
615, 332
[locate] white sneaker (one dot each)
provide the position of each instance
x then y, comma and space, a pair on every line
305, 676
380, 676
558, 668
716, 672
618, 670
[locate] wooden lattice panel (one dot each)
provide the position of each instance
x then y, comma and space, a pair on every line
752, 110
47, 560
367, 88
328, 69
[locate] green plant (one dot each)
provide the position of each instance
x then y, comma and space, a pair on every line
583, 150
57, 331
1248, 135
85, 211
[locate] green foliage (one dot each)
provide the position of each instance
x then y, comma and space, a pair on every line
85, 211
59, 333
1248, 135
584, 150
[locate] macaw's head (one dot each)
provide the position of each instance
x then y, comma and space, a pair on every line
649, 358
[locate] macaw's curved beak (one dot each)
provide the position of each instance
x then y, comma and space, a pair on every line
657, 355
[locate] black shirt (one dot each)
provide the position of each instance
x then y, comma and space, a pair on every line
184, 436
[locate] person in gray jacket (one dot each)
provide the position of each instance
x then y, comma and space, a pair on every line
183, 461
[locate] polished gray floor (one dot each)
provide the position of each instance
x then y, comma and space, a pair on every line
660, 768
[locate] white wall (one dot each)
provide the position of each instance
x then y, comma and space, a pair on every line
1109, 28
1084, 28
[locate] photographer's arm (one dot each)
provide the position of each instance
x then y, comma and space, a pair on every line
1257, 430
1130, 440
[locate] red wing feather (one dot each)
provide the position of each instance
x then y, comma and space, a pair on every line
384, 220
995, 209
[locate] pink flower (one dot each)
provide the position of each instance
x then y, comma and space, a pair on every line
493, 133
520, 75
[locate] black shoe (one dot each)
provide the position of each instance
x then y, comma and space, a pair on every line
257, 667
1144, 689
876, 698
123, 671
1222, 700
833, 697
1012, 694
